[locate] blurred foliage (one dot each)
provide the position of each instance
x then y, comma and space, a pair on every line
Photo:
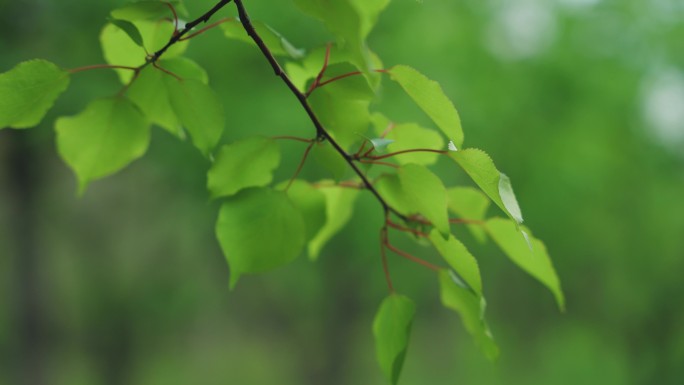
581, 102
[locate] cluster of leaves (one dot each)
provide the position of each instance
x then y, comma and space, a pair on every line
144, 44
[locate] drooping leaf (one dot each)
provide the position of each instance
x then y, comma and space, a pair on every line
275, 42
130, 29
409, 136
339, 206
471, 308
311, 202
259, 229
430, 97
469, 203
392, 329
481, 169
427, 195
249, 162
28, 91
103, 139
199, 110
150, 93
148, 10
535, 261
460, 259
119, 49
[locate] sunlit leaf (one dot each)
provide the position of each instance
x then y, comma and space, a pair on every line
471, 204
392, 329
119, 49
148, 10
28, 91
339, 206
199, 110
156, 34
471, 309
409, 136
246, 163
535, 261
481, 169
103, 139
130, 29
430, 97
460, 259
259, 229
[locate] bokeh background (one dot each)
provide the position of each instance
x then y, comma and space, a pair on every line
580, 102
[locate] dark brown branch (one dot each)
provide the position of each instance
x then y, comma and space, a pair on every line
321, 132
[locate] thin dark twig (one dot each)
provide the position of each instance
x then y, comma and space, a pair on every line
321, 132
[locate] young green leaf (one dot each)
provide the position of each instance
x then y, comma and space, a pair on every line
275, 42
392, 329
430, 97
535, 261
427, 195
471, 204
199, 109
103, 139
246, 163
471, 309
150, 93
259, 229
119, 49
28, 91
311, 203
481, 169
460, 259
339, 206
408, 136
130, 29
156, 34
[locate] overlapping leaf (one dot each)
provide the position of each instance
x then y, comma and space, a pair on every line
259, 229
275, 42
28, 91
408, 136
103, 139
249, 162
471, 204
311, 202
392, 329
339, 206
460, 259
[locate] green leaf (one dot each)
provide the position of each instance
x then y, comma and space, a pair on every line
339, 206
156, 34
246, 163
326, 156
469, 203
460, 259
430, 97
427, 195
199, 109
311, 202
471, 309
150, 93
275, 42
119, 49
259, 229
481, 169
147, 10
130, 29
103, 139
392, 329
345, 119
409, 136
535, 261
350, 21
28, 91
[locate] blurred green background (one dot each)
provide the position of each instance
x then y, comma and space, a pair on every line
580, 102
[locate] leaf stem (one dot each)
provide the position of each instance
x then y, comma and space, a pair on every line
316, 81
164, 70
207, 28
301, 164
101, 66
175, 17
406, 152
298, 139
383, 254
412, 258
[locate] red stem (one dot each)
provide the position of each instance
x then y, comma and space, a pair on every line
155, 65
406, 152
301, 164
412, 258
378, 163
385, 265
336, 78
298, 139
466, 221
100, 66
175, 18
317, 81
406, 229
